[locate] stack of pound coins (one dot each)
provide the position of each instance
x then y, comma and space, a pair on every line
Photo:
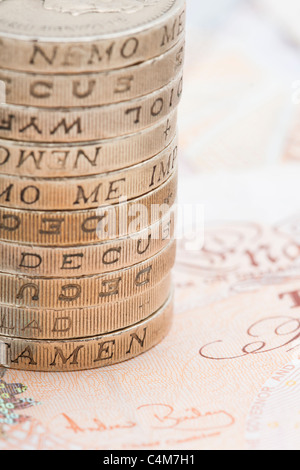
88, 179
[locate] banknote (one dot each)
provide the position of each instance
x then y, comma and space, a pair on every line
273, 420
208, 385
235, 258
236, 110
284, 16
292, 144
228, 374
207, 15
290, 226
285, 13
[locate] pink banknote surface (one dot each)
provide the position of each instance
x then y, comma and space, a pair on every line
237, 105
236, 258
286, 15
292, 146
274, 418
227, 376
200, 387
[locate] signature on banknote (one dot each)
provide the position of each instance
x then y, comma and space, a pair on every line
165, 417
97, 426
160, 417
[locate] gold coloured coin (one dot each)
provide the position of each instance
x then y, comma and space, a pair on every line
87, 353
86, 322
86, 159
89, 124
71, 36
90, 192
86, 90
87, 260
73, 292
88, 227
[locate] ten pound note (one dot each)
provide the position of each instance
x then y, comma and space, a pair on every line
237, 315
